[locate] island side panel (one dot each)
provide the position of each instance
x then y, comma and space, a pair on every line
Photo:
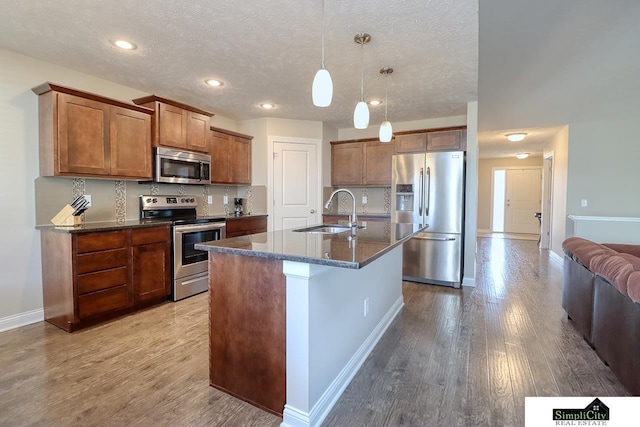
247, 329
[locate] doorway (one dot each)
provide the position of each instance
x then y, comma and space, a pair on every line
547, 197
516, 195
294, 183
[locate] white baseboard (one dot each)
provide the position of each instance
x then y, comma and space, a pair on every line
469, 281
556, 259
293, 417
21, 319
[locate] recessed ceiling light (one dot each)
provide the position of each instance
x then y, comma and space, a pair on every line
522, 155
515, 137
267, 106
214, 82
123, 44
375, 102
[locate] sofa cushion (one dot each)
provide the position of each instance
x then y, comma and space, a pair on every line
616, 269
583, 250
627, 249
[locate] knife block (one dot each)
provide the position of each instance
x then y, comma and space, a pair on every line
65, 218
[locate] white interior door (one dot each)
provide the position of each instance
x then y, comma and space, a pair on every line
523, 198
295, 185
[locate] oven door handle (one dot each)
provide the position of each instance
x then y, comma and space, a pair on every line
198, 227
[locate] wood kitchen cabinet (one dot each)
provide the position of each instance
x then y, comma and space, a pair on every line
245, 225
151, 264
377, 163
230, 157
450, 140
83, 134
347, 162
176, 125
95, 276
411, 143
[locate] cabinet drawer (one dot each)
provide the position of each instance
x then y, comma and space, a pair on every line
103, 301
97, 261
92, 242
145, 236
246, 224
92, 282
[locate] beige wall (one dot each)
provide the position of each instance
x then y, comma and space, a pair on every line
485, 177
559, 147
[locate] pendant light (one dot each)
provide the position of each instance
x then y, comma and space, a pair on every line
386, 131
361, 113
322, 88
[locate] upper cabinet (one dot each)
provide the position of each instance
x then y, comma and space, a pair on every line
83, 134
377, 163
230, 157
449, 140
411, 143
347, 162
177, 125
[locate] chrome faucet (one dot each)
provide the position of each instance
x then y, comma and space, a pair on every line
353, 218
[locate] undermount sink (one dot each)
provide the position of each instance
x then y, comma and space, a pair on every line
325, 229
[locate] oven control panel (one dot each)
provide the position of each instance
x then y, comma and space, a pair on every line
160, 202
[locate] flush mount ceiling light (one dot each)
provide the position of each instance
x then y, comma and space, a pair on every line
361, 113
515, 137
375, 102
123, 44
386, 131
522, 155
214, 82
267, 106
322, 88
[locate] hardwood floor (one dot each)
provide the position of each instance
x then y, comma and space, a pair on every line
452, 357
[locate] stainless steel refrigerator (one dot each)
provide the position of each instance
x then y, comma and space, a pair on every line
428, 188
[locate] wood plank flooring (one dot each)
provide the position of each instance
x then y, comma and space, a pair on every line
452, 357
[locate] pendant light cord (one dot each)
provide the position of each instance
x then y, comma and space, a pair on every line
385, 96
362, 73
322, 33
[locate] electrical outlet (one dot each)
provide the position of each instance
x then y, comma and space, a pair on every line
583, 203
366, 307
225, 199
210, 200
87, 197
364, 200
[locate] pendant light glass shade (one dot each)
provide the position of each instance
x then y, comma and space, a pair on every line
386, 132
322, 89
361, 115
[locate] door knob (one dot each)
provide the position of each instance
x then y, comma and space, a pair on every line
312, 211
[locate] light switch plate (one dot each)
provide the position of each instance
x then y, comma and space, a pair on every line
583, 203
364, 200
87, 197
225, 200
210, 200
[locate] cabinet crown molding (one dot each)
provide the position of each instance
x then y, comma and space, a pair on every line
155, 98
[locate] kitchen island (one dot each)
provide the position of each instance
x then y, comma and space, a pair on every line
294, 315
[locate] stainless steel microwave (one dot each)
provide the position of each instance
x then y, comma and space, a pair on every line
181, 167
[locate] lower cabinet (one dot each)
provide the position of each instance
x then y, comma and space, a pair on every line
94, 276
242, 226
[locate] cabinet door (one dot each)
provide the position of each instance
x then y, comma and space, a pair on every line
346, 164
197, 129
151, 271
443, 141
219, 147
172, 124
130, 143
411, 143
83, 135
240, 160
377, 163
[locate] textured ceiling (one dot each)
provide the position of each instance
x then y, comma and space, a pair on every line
263, 51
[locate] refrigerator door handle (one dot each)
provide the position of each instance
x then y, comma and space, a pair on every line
421, 191
426, 207
438, 239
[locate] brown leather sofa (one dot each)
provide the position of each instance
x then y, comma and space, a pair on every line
601, 295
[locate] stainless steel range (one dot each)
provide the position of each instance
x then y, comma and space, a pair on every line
190, 269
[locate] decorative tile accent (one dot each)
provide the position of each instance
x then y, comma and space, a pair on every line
387, 200
343, 202
205, 200
364, 205
121, 201
226, 205
155, 188
387, 229
78, 187
181, 189
249, 201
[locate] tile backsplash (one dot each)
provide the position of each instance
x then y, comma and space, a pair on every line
115, 200
378, 201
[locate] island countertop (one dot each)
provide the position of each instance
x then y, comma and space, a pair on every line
337, 250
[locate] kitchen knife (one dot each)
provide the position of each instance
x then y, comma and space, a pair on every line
81, 207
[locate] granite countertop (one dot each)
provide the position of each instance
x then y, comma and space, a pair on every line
337, 250
88, 227
361, 215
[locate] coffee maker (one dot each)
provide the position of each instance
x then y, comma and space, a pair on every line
237, 203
